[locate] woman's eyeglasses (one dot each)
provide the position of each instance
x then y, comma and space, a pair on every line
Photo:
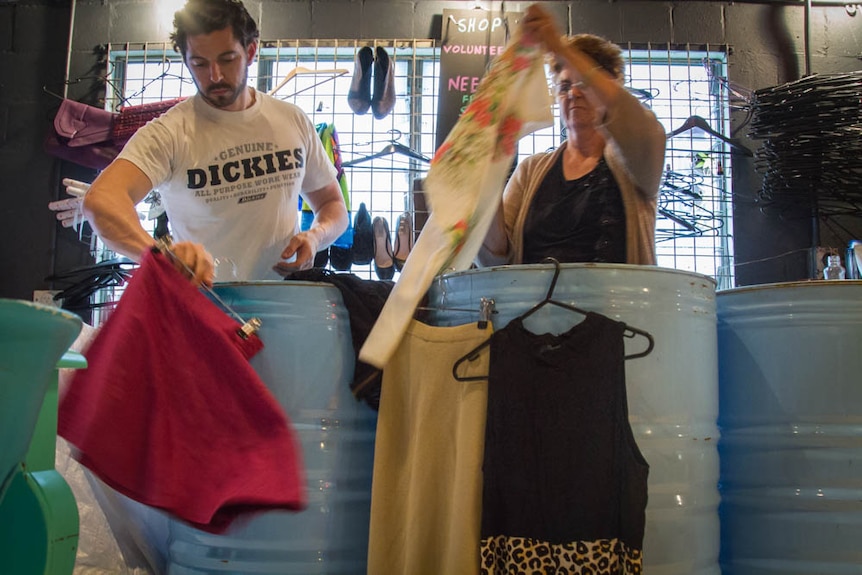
564, 88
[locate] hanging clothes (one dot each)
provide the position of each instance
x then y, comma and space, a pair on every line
170, 413
565, 485
426, 491
329, 137
363, 298
465, 183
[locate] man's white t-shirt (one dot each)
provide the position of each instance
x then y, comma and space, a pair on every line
231, 180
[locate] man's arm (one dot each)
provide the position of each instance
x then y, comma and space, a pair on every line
330, 221
109, 206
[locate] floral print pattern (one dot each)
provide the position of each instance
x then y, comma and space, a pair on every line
477, 154
465, 184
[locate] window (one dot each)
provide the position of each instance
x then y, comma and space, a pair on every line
694, 230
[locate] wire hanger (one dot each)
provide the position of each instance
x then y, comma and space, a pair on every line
696, 122
393, 148
51, 93
642, 94
474, 353
302, 71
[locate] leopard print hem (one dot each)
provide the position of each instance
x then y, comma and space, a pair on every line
502, 554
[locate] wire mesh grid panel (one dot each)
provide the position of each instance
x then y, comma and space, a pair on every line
694, 228
384, 157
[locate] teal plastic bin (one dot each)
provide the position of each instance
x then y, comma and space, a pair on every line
33, 337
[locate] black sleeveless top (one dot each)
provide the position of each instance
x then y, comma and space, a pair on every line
564, 482
580, 220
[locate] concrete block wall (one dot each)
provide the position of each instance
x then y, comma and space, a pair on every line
768, 41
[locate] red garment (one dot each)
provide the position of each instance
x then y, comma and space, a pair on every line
170, 413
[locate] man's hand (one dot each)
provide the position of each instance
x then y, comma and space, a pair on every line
303, 246
194, 262
68, 211
330, 221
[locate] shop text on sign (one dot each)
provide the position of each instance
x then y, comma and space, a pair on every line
471, 40
472, 24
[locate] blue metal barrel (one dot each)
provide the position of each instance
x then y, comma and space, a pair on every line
672, 393
307, 363
790, 413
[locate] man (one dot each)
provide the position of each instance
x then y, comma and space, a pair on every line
228, 163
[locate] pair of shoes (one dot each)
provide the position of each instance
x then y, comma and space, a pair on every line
403, 240
384, 263
359, 97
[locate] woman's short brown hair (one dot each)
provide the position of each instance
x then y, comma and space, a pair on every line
606, 54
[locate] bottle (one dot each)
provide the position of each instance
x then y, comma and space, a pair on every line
851, 262
833, 270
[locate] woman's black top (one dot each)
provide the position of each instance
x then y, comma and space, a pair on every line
580, 220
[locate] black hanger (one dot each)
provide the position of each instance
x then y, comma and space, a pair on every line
474, 353
102, 79
54, 94
642, 94
696, 122
391, 149
678, 183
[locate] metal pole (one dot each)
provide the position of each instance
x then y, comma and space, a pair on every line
69, 50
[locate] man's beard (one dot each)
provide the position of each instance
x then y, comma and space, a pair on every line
224, 100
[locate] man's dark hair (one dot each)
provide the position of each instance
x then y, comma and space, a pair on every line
207, 16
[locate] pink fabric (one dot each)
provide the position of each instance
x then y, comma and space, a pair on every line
170, 413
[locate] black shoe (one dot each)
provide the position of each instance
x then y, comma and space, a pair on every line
363, 237
359, 95
340, 258
321, 258
384, 265
383, 100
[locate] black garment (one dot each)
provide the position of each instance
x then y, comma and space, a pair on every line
580, 220
563, 475
364, 300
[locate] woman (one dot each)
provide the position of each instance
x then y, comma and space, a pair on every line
594, 198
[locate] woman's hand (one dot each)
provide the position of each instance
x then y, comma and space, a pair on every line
539, 25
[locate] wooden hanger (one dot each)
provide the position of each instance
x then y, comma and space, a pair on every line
301, 71
474, 353
696, 122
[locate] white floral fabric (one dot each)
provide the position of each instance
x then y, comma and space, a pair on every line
465, 183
